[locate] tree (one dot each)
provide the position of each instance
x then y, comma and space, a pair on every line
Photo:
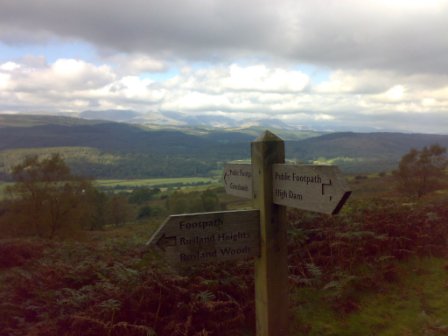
144, 212
118, 209
210, 200
46, 195
96, 210
420, 172
183, 202
142, 195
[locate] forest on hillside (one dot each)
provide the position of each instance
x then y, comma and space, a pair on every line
99, 149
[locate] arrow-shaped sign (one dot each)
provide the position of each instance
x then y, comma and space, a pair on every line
165, 241
310, 187
208, 237
238, 180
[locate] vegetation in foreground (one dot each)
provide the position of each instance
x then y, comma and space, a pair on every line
342, 270
376, 269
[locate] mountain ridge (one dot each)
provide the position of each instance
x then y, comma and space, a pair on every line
185, 149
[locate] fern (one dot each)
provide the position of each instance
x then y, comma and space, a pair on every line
205, 296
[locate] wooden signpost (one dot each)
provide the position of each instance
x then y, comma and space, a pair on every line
271, 268
261, 233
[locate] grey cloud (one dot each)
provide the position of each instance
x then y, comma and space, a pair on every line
175, 28
348, 34
364, 34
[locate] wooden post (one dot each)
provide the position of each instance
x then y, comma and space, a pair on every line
271, 267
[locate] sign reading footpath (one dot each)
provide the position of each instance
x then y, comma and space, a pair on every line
309, 187
238, 180
208, 237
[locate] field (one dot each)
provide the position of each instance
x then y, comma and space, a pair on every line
155, 182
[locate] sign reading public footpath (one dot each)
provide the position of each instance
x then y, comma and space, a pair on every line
309, 187
238, 180
208, 237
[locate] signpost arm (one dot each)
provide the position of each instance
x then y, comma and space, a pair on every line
271, 268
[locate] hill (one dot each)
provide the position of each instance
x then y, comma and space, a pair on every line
136, 151
20, 120
139, 151
361, 152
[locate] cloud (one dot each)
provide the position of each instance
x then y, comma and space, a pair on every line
187, 28
404, 36
388, 35
363, 99
69, 84
234, 77
135, 64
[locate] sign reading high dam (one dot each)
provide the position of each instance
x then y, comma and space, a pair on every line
188, 239
308, 187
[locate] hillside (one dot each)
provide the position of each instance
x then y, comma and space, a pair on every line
20, 120
145, 152
361, 152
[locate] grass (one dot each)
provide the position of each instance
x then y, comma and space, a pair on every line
154, 182
416, 305
3, 186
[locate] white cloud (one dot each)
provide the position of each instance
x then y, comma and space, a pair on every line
136, 64
234, 90
78, 74
260, 78
251, 78
324, 117
9, 66
395, 93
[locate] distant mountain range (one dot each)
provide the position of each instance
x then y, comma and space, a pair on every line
112, 115
176, 119
181, 151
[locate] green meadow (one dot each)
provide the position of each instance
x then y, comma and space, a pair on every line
154, 182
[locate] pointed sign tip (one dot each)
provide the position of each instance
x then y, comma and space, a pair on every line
267, 136
341, 202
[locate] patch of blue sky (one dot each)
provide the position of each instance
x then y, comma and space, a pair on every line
160, 76
317, 74
51, 51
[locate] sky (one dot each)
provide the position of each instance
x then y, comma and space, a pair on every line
345, 64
